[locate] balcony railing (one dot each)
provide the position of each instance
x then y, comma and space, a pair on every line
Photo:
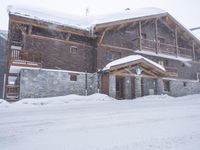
164, 48
20, 56
172, 71
12, 92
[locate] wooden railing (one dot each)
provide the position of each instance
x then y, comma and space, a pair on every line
12, 91
172, 71
169, 49
26, 57
184, 52
16, 43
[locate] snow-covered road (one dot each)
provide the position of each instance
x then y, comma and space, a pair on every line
90, 123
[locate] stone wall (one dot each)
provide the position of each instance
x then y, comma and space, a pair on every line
3, 62
182, 88
149, 86
48, 83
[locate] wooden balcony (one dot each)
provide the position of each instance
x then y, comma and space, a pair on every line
164, 48
25, 58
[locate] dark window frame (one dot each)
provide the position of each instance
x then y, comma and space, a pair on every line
73, 77
73, 49
113, 55
166, 85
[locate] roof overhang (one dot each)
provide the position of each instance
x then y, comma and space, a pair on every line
135, 65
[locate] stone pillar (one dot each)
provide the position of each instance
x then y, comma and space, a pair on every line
112, 86
138, 90
127, 88
159, 86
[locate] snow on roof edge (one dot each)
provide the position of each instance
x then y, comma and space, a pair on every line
129, 59
80, 22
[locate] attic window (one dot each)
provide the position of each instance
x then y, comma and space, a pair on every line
73, 50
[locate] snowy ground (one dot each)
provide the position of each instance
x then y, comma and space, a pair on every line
98, 122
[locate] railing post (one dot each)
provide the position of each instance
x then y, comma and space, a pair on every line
156, 35
193, 51
176, 41
140, 35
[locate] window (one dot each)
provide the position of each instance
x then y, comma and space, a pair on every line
73, 77
144, 36
111, 55
161, 40
184, 84
73, 50
117, 55
166, 85
163, 63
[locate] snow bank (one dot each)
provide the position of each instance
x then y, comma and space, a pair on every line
95, 98
3, 103
64, 99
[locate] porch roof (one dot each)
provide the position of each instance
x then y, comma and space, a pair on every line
129, 60
130, 63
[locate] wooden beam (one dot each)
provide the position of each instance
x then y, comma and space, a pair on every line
68, 36
30, 29
140, 35
116, 47
45, 25
102, 36
176, 41
103, 25
13, 74
65, 41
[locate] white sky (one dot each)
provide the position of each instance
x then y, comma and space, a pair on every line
185, 11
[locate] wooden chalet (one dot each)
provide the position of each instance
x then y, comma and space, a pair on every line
37, 40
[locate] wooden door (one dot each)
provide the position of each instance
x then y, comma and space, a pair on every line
119, 87
105, 84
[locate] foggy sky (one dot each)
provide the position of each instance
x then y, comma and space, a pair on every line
185, 11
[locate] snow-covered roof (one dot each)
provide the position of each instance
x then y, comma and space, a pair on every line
130, 59
80, 22
4, 34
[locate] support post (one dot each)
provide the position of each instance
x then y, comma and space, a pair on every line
4, 86
156, 35
86, 84
176, 41
140, 36
193, 51
112, 85
30, 30
159, 86
138, 88
128, 88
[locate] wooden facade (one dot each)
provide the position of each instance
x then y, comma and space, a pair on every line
161, 38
